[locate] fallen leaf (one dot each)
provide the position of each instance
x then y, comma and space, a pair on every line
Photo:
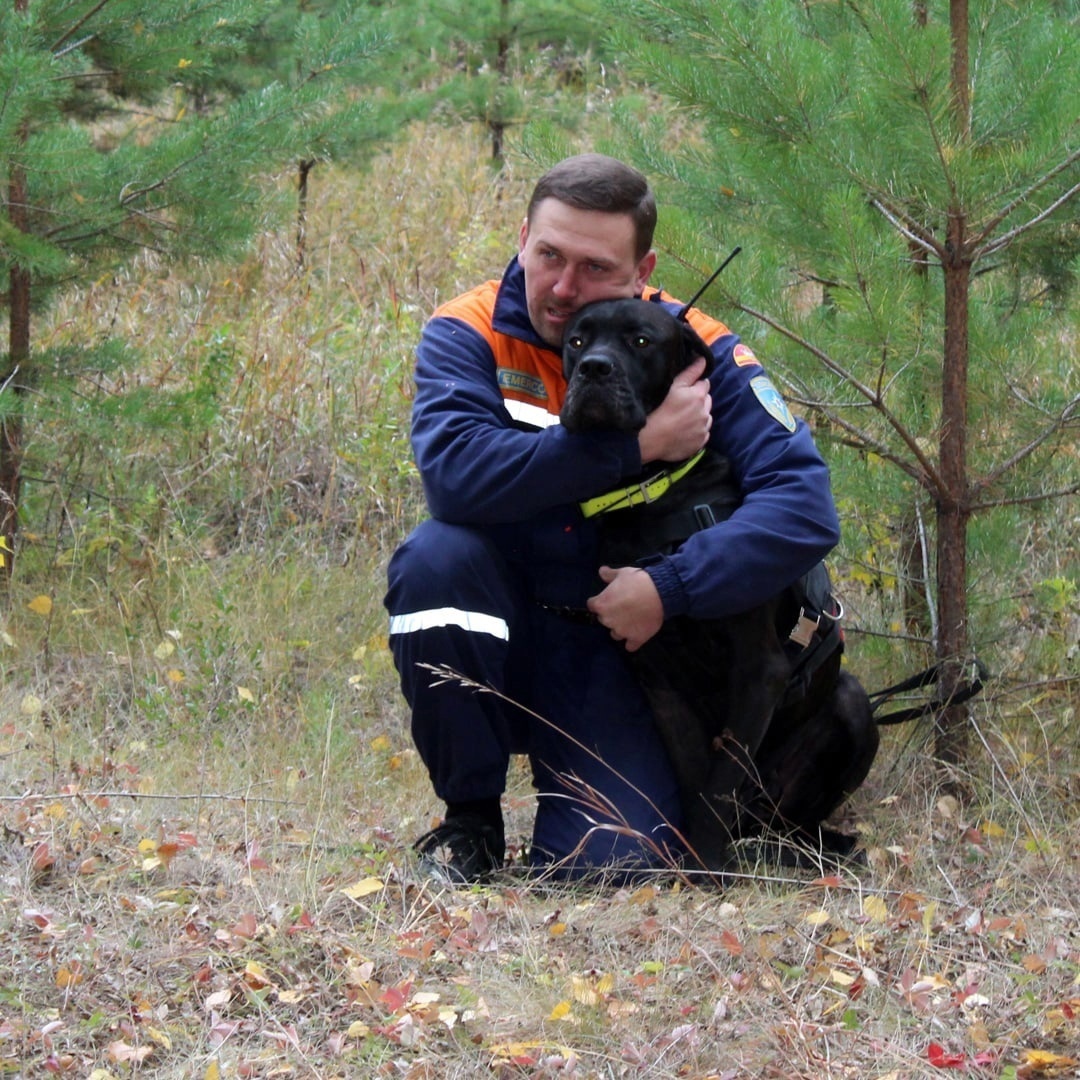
875, 909
732, 945
560, 1012
120, 1051
364, 887
940, 1058
41, 605
1045, 1063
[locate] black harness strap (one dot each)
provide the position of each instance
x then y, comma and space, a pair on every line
929, 677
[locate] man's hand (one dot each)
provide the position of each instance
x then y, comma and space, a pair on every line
630, 607
679, 426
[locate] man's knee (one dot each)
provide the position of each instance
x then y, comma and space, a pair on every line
436, 563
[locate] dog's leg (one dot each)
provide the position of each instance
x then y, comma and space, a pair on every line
815, 765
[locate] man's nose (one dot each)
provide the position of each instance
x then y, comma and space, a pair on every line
566, 284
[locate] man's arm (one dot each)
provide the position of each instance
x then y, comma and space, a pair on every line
476, 465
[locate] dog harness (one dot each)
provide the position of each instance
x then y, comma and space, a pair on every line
643, 491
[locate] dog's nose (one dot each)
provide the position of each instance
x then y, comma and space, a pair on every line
595, 367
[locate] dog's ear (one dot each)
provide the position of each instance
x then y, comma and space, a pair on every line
694, 346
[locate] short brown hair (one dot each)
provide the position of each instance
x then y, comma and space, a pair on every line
598, 182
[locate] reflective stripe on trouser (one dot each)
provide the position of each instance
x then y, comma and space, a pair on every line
454, 602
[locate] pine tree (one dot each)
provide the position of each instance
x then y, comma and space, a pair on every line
498, 62
120, 134
905, 176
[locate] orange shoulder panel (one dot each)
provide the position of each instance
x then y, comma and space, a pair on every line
526, 373
708, 328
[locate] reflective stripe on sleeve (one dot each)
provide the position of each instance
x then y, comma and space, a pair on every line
533, 415
475, 622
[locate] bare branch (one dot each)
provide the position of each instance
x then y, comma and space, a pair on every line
1025, 500
1022, 198
909, 228
857, 438
1062, 420
77, 24
1012, 234
926, 474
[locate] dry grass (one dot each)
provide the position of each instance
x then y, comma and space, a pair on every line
209, 791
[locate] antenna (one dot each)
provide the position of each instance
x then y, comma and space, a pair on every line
716, 273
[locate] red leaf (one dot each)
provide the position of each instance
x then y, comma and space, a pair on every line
394, 997
731, 943
246, 927
941, 1059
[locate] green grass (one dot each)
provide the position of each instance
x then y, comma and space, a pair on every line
209, 788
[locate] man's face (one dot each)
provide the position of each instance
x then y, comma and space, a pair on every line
571, 257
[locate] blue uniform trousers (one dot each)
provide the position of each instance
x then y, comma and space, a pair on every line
607, 794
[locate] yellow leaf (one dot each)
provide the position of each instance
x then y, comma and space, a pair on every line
213, 1071
67, 977
174, 675
841, 978
1046, 1062
358, 1030
41, 605
992, 829
244, 694
164, 650
160, 1037
591, 989
875, 909
560, 1012
31, 705
557, 929
364, 887
55, 811
380, 744
184, 63
147, 846
928, 917
255, 975
817, 918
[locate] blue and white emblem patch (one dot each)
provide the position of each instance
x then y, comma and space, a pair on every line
771, 401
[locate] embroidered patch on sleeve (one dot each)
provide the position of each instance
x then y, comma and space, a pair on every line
771, 401
744, 356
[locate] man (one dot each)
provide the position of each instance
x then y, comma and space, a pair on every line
501, 583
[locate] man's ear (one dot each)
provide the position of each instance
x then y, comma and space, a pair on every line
694, 346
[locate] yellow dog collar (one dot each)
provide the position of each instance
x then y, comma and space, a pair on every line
644, 491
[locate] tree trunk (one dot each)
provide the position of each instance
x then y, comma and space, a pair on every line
14, 377
953, 500
953, 504
961, 87
303, 171
497, 122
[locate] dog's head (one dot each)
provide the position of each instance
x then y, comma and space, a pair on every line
619, 359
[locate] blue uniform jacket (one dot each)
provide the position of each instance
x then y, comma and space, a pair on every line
522, 481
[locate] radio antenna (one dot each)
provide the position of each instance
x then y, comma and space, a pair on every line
716, 273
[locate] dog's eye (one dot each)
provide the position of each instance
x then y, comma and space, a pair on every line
641, 341
575, 341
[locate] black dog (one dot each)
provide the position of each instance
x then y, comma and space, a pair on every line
764, 733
